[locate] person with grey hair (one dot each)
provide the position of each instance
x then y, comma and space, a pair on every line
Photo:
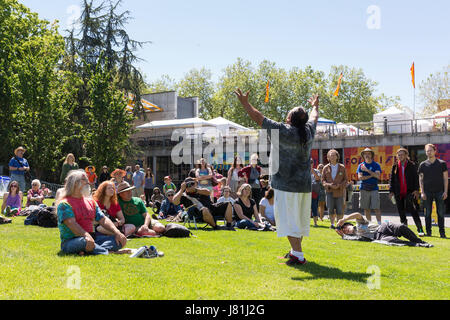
76, 213
35, 196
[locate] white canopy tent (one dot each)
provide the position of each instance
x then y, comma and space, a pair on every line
227, 125
394, 120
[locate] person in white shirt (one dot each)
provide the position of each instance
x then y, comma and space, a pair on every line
226, 196
266, 206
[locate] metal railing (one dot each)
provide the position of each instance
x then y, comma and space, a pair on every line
386, 127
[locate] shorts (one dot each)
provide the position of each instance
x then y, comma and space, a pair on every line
369, 200
334, 203
292, 212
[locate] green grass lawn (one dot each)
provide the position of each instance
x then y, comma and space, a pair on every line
221, 265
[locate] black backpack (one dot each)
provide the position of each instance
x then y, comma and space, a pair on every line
174, 230
47, 218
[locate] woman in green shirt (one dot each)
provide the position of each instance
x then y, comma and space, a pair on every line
69, 165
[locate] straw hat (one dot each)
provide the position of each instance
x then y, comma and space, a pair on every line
18, 149
367, 150
124, 186
402, 149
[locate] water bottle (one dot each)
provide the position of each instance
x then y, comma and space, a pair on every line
393, 200
139, 252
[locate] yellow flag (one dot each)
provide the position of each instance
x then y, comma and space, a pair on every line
267, 93
413, 76
336, 93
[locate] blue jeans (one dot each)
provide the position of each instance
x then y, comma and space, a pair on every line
245, 224
314, 206
440, 208
103, 244
20, 178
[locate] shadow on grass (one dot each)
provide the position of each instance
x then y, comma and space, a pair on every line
318, 271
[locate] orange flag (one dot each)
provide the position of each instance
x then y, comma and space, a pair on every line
336, 93
267, 93
413, 76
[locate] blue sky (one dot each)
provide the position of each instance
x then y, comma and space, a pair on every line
213, 34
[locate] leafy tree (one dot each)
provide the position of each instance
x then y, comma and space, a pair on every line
198, 83
32, 96
436, 87
111, 124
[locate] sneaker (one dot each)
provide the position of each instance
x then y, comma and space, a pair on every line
230, 227
425, 245
152, 252
443, 236
421, 234
294, 261
332, 227
14, 212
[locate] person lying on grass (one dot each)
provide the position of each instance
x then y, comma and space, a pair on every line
387, 232
201, 207
136, 215
76, 215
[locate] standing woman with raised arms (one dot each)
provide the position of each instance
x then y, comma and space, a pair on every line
292, 181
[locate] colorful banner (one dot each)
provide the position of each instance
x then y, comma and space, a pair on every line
384, 156
443, 152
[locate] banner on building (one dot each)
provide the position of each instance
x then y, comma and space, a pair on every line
384, 155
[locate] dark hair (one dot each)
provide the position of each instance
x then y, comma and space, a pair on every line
299, 118
269, 194
16, 184
147, 175
235, 160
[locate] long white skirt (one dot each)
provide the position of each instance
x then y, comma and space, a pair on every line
292, 213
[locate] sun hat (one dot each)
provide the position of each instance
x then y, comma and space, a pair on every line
19, 148
402, 149
368, 150
119, 171
124, 186
87, 168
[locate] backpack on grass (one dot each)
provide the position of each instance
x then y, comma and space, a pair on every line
174, 230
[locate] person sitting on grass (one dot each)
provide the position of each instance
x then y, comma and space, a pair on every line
106, 198
226, 195
157, 199
245, 208
76, 215
11, 204
198, 203
35, 196
169, 210
266, 206
136, 214
387, 232
47, 192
